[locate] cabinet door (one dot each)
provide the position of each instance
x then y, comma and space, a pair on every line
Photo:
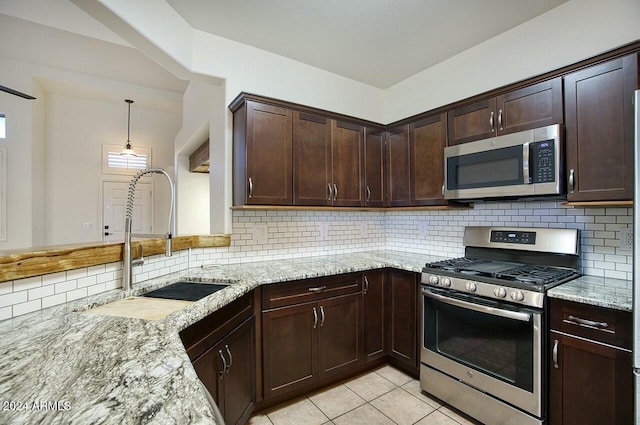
268, 155
534, 106
374, 324
599, 130
592, 383
290, 347
428, 138
210, 369
398, 192
311, 159
403, 318
346, 158
374, 167
239, 382
472, 122
339, 334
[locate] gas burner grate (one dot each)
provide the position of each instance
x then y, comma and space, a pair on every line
536, 275
456, 264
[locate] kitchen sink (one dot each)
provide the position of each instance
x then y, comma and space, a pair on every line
186, 290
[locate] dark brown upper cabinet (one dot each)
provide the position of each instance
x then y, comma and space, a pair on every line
262, 172
327, 157
427, 140
533, 106
599, 130
312, 177
374, 168
347, 146
398, 165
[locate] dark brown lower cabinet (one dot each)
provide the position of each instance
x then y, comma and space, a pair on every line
403, 319
228, 372
590, 368
374, 298
304, 343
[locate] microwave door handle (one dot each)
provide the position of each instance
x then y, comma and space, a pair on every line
515, 315
526, 176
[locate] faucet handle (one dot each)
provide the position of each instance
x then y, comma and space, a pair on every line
140, 260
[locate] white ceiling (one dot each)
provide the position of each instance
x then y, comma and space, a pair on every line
377, 42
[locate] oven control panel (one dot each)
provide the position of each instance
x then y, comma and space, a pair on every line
513, 236
487, 290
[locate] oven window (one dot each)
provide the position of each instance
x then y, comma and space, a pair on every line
498, 167
497, 346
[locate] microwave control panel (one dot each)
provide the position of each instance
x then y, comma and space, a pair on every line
542, 161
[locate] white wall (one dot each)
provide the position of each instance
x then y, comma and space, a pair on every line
567, 34
21, 116
192, 200
73, 181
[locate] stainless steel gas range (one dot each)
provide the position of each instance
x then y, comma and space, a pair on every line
484, 323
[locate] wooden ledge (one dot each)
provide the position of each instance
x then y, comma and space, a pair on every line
19, 264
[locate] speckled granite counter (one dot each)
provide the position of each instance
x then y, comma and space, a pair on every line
599, 291
63, 366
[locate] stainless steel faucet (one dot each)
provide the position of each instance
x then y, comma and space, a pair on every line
128, 263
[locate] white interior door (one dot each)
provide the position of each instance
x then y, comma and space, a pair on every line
114, 203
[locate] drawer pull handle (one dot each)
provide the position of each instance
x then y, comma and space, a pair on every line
585, 322
555, 353
318, 288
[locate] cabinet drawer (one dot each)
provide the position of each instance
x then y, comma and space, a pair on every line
203, 334
302, 291
600, 324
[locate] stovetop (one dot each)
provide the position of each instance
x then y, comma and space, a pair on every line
504, 272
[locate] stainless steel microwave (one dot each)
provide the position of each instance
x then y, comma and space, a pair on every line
527, 163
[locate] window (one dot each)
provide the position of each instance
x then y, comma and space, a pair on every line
3, 126
114, 163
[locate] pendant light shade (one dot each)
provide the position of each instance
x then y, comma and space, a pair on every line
128, 150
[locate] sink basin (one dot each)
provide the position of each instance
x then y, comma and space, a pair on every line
186, 291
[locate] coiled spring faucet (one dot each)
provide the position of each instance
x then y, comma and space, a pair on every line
127, 255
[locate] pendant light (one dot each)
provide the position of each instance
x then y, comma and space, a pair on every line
128, 150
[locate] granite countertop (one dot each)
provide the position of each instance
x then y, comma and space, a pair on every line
598, 291
64, 365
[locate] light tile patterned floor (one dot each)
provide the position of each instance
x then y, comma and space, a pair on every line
385, 396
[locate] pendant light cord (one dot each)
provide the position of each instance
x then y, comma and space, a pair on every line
129, 121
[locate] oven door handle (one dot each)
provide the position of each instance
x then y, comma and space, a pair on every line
516, 315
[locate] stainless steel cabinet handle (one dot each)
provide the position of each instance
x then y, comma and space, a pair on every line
330, 192
315, 318
366, 285
554, 353
224, 364
500, 119
318, 288
335, 192
526, 175
572, 181
443, 189
230, 358
585, 322
250, 188
321, 316
491, 122
368, 194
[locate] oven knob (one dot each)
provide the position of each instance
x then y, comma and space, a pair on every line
471, 286
517, 296
500, 292
433, 280
446, 282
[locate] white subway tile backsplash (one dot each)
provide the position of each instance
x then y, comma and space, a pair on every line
298, 234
